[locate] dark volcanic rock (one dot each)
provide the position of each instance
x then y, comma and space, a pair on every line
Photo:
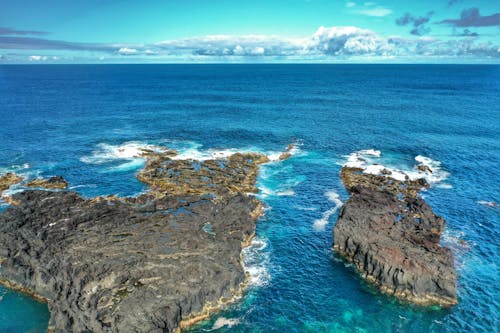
392, 236
154, 263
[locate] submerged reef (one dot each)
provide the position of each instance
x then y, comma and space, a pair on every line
157, 262
393, 237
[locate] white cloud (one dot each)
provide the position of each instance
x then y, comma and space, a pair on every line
333, 40
341, 43
376, 12
259, 50
231, 45
37, 58
326, 43
350, 4
127, 51
238, 50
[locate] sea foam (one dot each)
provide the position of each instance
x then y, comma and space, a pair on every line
373, 162
256, 262
187, 150
320, 224
224, 322
488, 203
106, 153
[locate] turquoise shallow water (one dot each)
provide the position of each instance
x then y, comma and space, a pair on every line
84, 122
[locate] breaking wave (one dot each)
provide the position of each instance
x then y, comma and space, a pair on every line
373, 162
256, 262
320, 224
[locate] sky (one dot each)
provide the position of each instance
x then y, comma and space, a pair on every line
257, 31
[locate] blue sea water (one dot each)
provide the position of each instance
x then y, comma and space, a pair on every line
85, 121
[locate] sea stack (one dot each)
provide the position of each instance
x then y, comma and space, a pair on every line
157, 262
392, 236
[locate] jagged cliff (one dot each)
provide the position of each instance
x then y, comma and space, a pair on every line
392, 236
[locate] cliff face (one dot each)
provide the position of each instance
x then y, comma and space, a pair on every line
153, 263
392, 236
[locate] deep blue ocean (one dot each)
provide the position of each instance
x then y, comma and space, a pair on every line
85, 122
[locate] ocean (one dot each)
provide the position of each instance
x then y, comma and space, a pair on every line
86, 122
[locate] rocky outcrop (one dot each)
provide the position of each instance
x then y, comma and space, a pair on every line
8, 179
392, 236
153, 263
52, 183
287, 153
167, 175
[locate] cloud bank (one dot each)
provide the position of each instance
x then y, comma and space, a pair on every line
343, 43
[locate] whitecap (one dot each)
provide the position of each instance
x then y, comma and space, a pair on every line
271, 182
433, 172
193, 151
274, 156
372, 161
210, 154
306, 208
488, 203
371, 152
256, 260
190, 150
82, 185
362, 158
295, 150
187, 150
134, 164
225, 322
12, 190
320, 224
16, 167
264, 191
287, 192
455, 240
107, 153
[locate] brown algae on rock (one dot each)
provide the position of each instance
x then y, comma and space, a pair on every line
52, 183
8, 179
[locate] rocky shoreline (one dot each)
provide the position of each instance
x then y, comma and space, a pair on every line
393, 237
157, 262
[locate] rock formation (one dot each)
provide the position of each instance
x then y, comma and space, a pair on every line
9, 179
154, 263
52, 183
392, 236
